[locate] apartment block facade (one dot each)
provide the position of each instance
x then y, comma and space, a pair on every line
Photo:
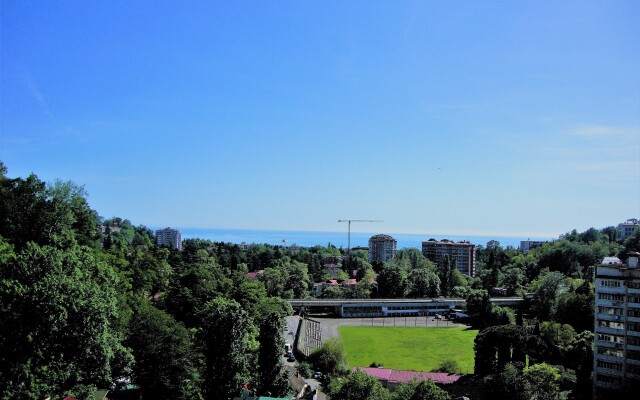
627, 228
382, 248
169, 237
616, 345
463, 252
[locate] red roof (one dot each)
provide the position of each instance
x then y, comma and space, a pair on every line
253, 276
398, 376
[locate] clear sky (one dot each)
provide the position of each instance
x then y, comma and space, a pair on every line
453, 117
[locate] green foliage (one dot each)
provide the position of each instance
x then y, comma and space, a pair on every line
392, 281
304, 369
286, 279
270, 364
358, 385
542, 381
164, 367
329, 357
427, 390
423, 282
446, 271
58, 320
449, 366
225, 345
547, 291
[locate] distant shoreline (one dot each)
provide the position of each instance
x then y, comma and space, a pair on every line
338, 239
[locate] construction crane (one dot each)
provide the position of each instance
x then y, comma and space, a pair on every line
349, 221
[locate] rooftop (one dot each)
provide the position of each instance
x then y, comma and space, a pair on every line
399, 376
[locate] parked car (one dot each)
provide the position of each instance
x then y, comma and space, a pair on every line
291, 358
317, 375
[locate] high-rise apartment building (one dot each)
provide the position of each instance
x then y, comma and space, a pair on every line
169, 237
463, 252
382, 248
627, 228
616, 344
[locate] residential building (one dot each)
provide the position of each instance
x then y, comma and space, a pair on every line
616, 345
382, 248
463, 252
169, 237
627, 228
527, 245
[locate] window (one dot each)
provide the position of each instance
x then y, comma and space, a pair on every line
610, 338
609, 310
633, 312
611, 324
633, 299
610, 283
611, 296
605, 351
633, 354
633, 326
610, 365
608, 379
633, 285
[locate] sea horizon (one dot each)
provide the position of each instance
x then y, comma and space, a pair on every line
339, 239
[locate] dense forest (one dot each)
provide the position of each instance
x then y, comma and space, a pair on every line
88, 302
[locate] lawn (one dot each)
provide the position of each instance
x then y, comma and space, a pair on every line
416, 349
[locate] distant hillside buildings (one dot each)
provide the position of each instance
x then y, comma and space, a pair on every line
382, 248
169, 237
616, 344
527, 245
463, 252
627, 228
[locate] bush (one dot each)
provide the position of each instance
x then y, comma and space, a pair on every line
448, 366
304, 369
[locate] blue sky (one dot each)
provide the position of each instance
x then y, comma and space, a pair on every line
486, 118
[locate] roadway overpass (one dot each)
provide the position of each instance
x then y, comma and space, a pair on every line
390, 307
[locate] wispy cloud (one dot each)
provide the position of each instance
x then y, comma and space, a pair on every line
38, 96
602, 131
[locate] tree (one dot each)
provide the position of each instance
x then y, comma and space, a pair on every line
164, 367
542, 381
547, 290
273, 377
358, 385
423, 282
427, 390
224, 341
329, 357
446, 272
59, 318
392, 282
576, 307
478, 306
192, 286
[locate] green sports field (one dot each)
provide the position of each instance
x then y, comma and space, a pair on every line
416, 349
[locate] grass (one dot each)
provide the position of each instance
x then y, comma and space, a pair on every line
413, 349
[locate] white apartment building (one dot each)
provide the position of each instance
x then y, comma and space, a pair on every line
382, 248
169, 237
616, 358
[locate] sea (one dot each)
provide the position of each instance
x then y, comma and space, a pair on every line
338, 239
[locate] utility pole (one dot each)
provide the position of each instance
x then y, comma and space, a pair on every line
349, 221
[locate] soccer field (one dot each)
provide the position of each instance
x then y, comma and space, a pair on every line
417, 349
